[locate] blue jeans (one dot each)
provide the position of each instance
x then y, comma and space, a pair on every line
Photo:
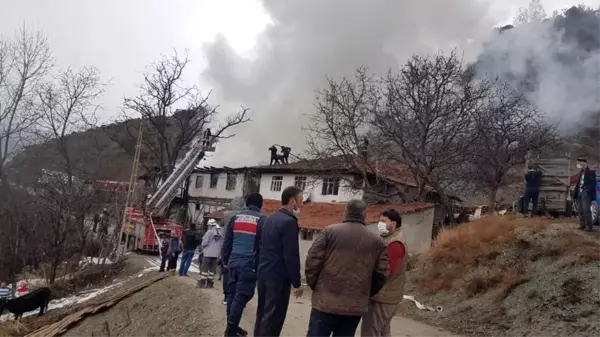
186, 261
242, 281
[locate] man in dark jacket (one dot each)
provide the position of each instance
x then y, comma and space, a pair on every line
585, 193
235, 207
278, 264
238, 254
345, 266
190, 243
165, 243
533, 181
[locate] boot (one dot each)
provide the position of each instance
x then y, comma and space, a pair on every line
242, 332
210, 283
201, 283
232, 331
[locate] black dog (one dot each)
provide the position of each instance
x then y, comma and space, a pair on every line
38, 298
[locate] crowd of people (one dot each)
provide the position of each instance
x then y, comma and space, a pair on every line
354, 274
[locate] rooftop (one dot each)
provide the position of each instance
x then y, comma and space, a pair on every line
395, 173
319, 215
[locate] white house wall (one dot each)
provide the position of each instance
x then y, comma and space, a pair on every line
313, 188
219, 191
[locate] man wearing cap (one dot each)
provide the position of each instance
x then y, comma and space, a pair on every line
211, 250
382, 306
585, 193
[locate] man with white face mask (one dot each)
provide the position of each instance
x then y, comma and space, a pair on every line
585, 193
278, 264
382, 306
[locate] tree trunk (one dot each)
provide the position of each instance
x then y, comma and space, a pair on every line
492, 200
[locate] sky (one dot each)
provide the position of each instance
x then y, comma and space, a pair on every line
270, 55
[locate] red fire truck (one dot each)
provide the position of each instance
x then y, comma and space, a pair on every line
144, 234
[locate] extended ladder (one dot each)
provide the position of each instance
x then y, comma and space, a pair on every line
166, 191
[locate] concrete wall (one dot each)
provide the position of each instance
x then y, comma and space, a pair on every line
313, 188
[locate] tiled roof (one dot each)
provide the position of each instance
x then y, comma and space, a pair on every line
319, 215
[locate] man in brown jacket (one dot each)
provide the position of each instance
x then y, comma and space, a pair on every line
346, 265
382, 308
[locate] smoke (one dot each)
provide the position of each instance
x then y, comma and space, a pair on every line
311, 39
556, 62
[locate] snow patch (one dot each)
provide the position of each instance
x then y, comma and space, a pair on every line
81, 297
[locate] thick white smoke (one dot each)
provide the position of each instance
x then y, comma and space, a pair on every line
312, 39
556, 61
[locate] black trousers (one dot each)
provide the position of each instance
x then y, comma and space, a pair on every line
325, 324
273, 300
530, 195
163, 261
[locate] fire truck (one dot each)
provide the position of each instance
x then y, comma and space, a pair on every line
143, 228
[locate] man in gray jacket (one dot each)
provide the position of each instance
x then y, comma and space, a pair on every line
211, 249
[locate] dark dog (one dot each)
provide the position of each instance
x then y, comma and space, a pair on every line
38, 298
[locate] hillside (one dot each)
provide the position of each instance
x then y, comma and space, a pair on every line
510, 276
104, 153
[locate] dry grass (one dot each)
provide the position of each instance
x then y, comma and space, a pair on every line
495, 252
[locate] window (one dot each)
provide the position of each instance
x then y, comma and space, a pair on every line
276, 183
231, 181
300, 182
199, 181
331, 186
214, 179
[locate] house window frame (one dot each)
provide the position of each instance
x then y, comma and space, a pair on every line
276, 184
300, 182
214, 180
231, 182
331, 186
199, 183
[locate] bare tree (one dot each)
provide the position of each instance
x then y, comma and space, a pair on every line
507, 126
173, 114
342, 134
24, 62
426, 119
66, 105
534, 12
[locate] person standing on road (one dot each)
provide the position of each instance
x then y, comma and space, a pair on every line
235, 207
585, 193
346, 265
382, 306
165, 251
533, 181
239, 257
190, 243
174, 250
278, 264
211, 250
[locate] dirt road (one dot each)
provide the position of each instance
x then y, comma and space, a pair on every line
174, 307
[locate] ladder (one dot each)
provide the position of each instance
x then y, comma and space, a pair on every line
167, 190
128, 210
